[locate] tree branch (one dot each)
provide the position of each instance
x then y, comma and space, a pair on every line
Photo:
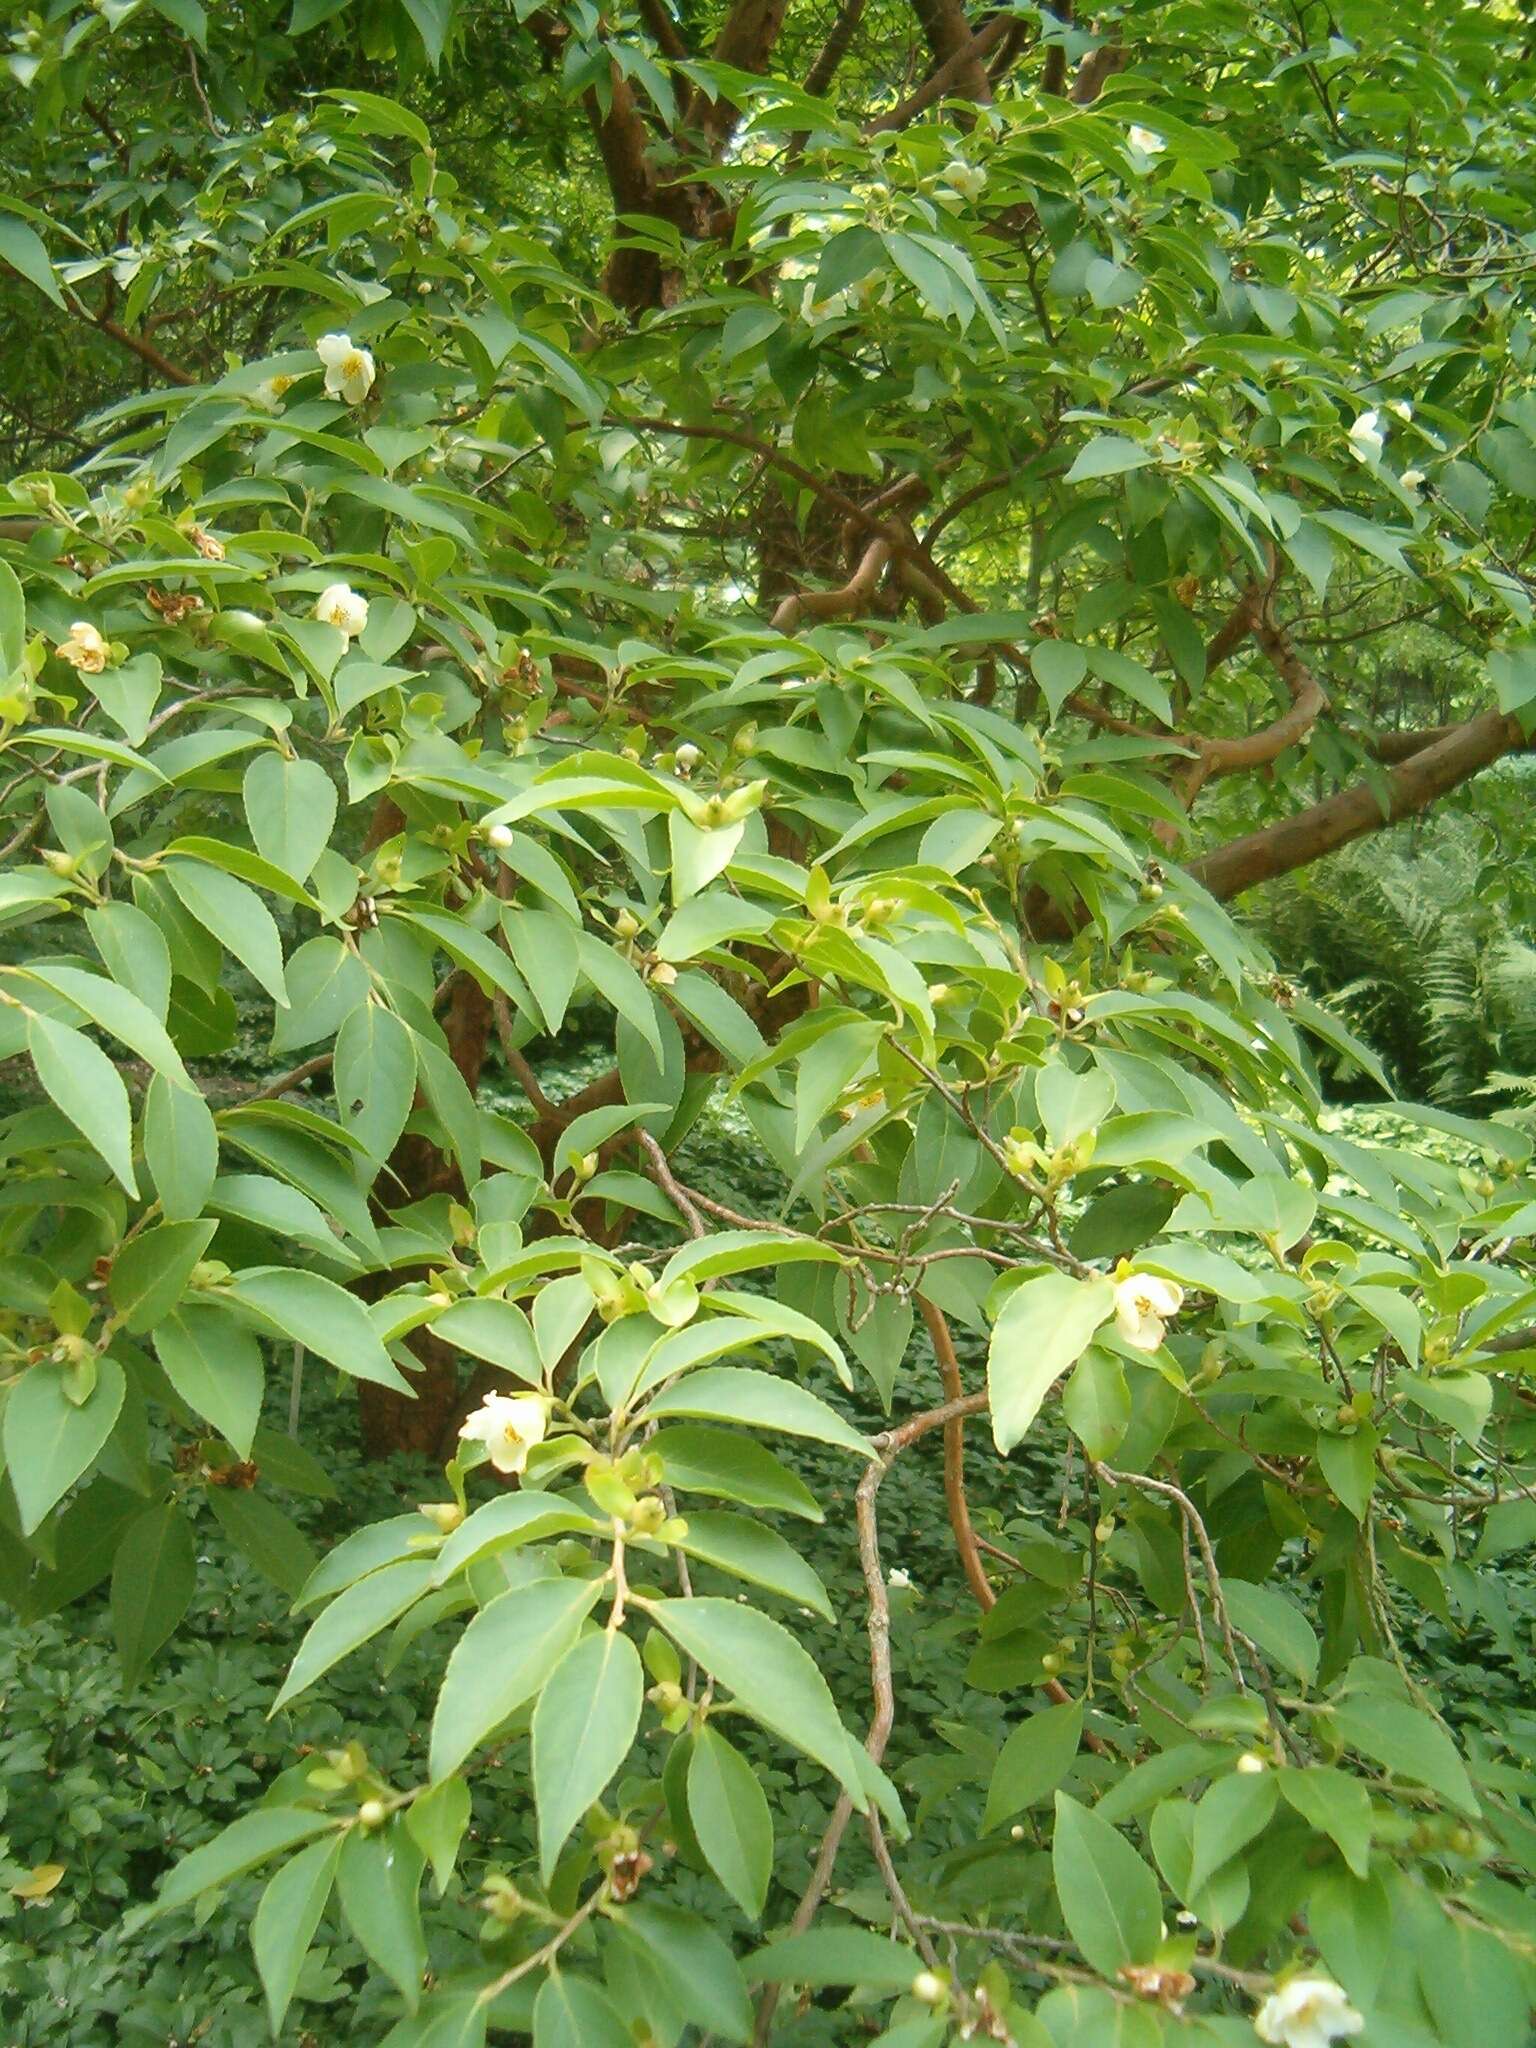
954, 1456
835, 48
949, 38
947, 79
846, 602
146, 351
1406, 790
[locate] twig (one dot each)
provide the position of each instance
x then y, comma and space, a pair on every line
671, 1187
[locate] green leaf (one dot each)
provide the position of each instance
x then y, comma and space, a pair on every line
710, 920
1273, 1621
1108, 455
1059, 668
260, 1530
352, 1618
1348, 1463
85, 1085
731, 1819
321, 1316
13, 618
372, 114
290, 807
239, 1848
700, 1972
181, 1147
236, 916
772, 1676
437, 1820
728, 1467
507, 1523
1096, 1403
1464, 1400
1406, 1741
1044, 1326
286, 1921
153, 1579
217, 1369
570, 2012
23, 249
49, 1442
501, 1661
1235, 1809
375, 1077
742, 1394
151, 1271
1033, 1761
378, 1881
1109, 1898
835, 1955
736, 1544
498, 1331
1337, 1805
188, 16
583, 1728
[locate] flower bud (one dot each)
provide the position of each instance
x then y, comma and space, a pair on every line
1251, 1764
928, 1986
499, 836
648, 1515
372, 1813
500, 1897
626, 924
445, 1515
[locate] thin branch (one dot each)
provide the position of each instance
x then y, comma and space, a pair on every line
947, 79
954, 1456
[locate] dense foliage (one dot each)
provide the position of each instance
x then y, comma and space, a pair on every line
818, 554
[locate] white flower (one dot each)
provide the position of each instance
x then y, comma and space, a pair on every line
269, 393
1367, 437
509, 1425
1147, 140
349, 371
1412, 481
814, 309
1309, 2012
897, 1579
1142, 1303
340, 606
1251, 1764
84, 649
969, 180
1401, 407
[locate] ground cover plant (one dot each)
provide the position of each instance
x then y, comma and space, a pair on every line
686, 624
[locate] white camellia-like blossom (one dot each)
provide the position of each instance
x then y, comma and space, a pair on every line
1143, 1303
349, 370
1147, 140
970, 180
84, 649
340, 606
1309, 2012
1412, 481
897, 1579
509, 1425
1367, 437
270, 392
